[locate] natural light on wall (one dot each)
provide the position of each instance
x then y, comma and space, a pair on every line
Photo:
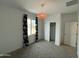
31, 27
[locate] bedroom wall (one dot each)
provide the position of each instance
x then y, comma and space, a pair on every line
67, 18
10, 29
53, 18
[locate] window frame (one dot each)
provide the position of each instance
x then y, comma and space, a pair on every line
30, 32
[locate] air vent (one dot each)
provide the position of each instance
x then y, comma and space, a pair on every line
73, 2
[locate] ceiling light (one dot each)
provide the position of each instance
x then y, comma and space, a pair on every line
42, 15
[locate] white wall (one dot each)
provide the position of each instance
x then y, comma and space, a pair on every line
67, 18
53, 18
60, 20
10, 29
40, 29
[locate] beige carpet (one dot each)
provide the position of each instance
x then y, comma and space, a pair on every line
44, 49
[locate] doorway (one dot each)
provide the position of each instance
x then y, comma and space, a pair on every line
52, 31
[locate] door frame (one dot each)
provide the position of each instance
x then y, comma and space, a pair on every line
50, 31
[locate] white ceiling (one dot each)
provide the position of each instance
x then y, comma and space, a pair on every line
51, 6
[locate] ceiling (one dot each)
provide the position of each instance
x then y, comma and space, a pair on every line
50, 6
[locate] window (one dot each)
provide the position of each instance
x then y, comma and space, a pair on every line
31, 27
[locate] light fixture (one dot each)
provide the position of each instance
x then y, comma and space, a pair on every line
42, 15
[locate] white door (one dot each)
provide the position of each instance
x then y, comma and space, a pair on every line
70, 34
73, 29
67, 34
78, 42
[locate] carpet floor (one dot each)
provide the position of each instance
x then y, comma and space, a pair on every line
44, 49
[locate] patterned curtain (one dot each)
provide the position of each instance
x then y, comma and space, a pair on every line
25, 31
36, 29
